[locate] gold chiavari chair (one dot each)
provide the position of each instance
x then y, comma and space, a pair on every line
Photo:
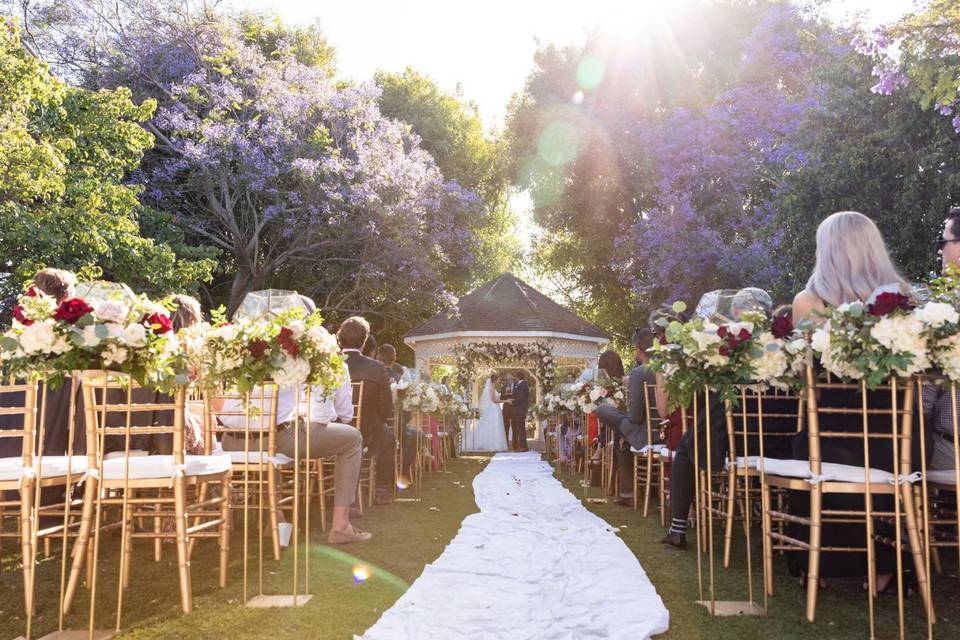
881, 425
647, 468
136, 485
782, 415
368, 467
251, 418
24, 476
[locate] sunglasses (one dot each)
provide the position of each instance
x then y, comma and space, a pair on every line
941, 243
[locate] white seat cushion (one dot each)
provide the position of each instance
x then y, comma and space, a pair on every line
159, 467
947, 476
49, 467
254, 457
829, 471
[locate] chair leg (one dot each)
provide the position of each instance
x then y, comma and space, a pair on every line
157, 529
813, 563
272, 506
82, 547
662, 493
648, 486
227, 523
321, 494
26, 543
916, 549
767, 540
731, 505
127, 544
183, 561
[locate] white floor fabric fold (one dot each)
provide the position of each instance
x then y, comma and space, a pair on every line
534, 563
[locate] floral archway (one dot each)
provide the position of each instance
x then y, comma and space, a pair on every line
472, 356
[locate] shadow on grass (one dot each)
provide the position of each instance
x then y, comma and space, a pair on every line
407, 536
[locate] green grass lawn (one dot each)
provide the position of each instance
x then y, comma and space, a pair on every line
841, 608
410, 535
407, 536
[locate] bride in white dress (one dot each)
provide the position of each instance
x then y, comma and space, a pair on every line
487, 433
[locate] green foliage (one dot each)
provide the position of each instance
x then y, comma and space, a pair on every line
64, 154
308, 44
452, 132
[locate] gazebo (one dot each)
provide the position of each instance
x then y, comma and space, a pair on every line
507, 315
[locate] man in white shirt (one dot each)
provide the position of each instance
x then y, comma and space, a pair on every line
327, 437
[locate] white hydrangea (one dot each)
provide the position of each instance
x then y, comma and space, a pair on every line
111, 311
89, 336
292, 372
39, 337
773, 361
706, 337
935, 314
903, 334
595, 394
226, 332
947, 356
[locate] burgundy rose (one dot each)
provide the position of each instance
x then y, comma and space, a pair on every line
20, 317
159, 322
743, 335
782, 327
725, 351
888, 302
32, 292
722, 331
258, 347
72, 309
289, 344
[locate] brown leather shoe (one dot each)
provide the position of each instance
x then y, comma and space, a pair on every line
347, 537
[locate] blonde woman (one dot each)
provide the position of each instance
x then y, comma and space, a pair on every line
852, 261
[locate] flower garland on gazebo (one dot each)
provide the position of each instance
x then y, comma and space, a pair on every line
488, 354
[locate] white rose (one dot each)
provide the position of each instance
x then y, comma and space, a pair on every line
820, 341
595, 394
38, 337
114, 355
135, 335
935, 314
297, 328
90, 338
227, 332
114, 330
706, 337
111, 311
292, 372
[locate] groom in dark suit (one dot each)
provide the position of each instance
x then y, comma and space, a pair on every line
519, 404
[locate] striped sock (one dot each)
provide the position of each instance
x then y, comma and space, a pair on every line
679, 526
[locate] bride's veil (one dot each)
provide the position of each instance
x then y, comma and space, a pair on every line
485, 397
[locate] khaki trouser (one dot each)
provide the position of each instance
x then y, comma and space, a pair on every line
333, 439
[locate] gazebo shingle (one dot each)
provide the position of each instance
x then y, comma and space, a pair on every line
507, 304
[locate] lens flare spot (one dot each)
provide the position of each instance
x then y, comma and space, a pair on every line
402, 483
361, 573
578, 97
557, 144
589, 73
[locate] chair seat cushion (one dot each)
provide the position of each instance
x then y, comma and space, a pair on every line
254, 457
947, 476
160, 467
829, 471
48, 467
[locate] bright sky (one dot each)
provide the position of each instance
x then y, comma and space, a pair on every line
484, 48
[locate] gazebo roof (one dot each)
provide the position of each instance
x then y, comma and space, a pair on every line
506, 304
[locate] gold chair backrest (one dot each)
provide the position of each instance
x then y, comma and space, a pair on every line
652, 414
754, 414
256, 411
21, 415
357, 399
115, 405
865, 415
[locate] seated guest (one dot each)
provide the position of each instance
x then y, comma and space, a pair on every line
631, 427
682, 473
387, 354
851, 263
370, 347
377, 402
328, 436
937, 403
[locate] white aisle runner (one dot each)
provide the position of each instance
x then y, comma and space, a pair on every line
534, 563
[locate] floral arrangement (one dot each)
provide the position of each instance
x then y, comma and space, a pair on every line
423, 397
476, 355
291, 349
132, 335
756, 350
589, 395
